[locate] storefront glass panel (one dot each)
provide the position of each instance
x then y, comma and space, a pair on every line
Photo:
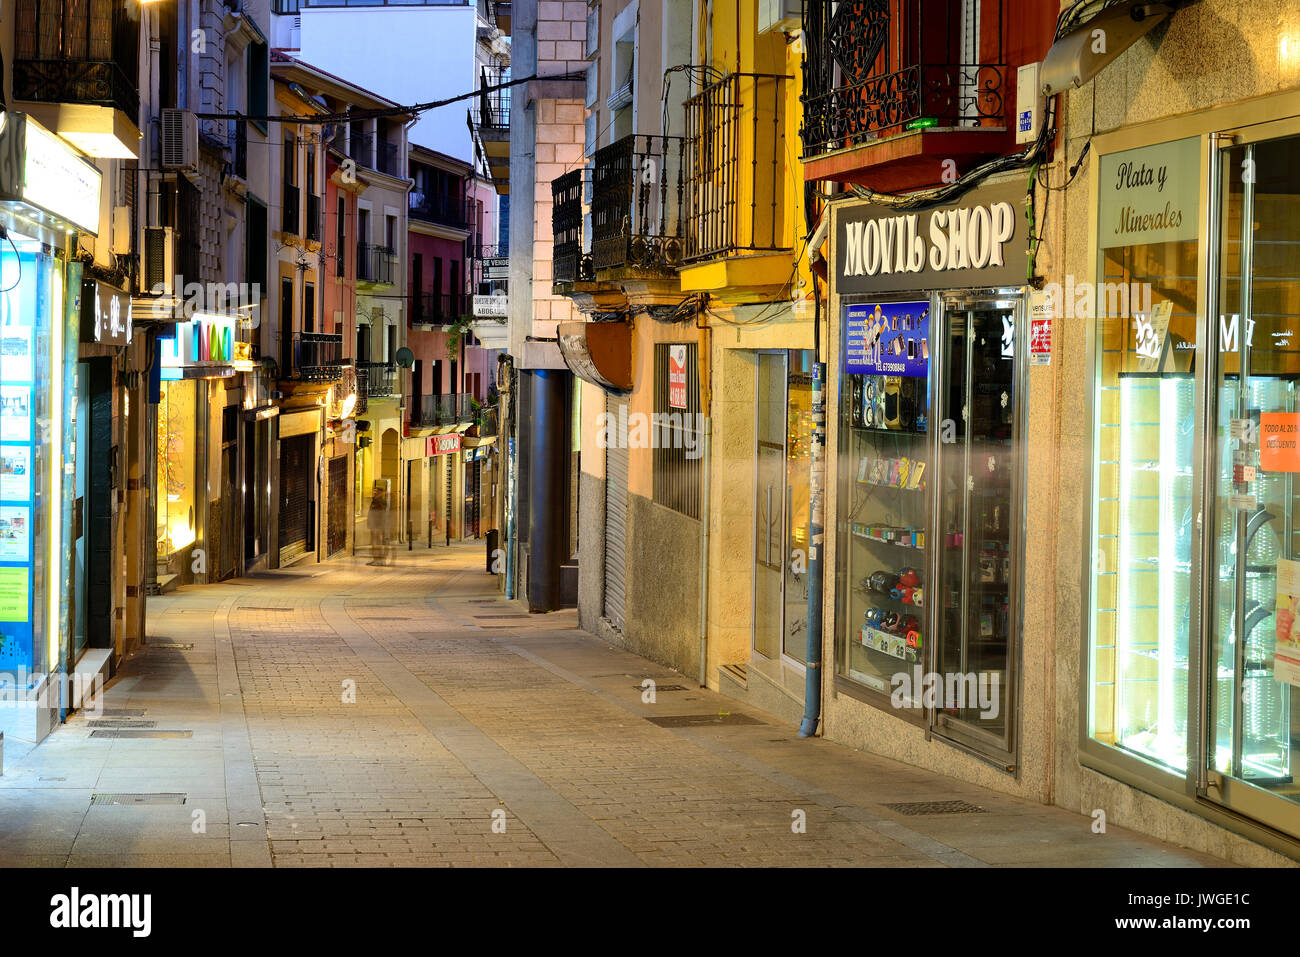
177, 464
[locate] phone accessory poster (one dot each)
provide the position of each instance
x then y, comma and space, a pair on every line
887, 338
1286, 653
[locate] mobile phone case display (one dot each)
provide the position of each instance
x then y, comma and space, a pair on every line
1261, 753
884, 415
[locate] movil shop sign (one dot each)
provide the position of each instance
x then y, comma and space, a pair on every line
979, 241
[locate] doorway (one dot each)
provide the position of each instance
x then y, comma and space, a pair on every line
782, 454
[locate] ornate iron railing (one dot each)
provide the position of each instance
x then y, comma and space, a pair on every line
876, 68
318, 356
380, 378
436, 410
374, 263
736, 171
569, 262
636, 204
439, 308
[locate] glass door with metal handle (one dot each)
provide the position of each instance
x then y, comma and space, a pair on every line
1253, 653
978, 502
769, 505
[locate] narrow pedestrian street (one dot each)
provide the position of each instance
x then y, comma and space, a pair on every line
348, 714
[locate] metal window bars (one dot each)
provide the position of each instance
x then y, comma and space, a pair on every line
636, 205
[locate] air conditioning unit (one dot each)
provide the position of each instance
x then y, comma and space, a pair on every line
180, 140
779, 15
159, 259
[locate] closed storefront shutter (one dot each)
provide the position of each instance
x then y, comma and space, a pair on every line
615, 522
295, 474
338, 507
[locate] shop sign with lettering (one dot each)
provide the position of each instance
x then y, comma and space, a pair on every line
979, 240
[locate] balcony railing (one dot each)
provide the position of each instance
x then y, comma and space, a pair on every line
636, 205
433, 209
431, 411
289, 211
375, 263
439, 308
491, 108
313, 217
569, 263
736, 167
100, 82
874, 70
380, 378
361, 148
318, 356
387, 159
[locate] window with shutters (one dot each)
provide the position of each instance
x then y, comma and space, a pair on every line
676, 428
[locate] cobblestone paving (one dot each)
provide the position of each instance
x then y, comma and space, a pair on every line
354, 715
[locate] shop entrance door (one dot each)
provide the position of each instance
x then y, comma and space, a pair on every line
1251, 563
783, 436
977, 561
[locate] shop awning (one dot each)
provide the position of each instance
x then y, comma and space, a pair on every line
598, 352
1085, 51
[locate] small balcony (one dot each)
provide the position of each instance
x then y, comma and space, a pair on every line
96, 82
910, 68
433, 209
638, 184
736, 171
570, 262
318, 356
440, 411
289, 212
379, 378
375, 264
439, 309
387, 158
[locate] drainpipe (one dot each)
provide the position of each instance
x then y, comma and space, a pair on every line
704, 552
813, 681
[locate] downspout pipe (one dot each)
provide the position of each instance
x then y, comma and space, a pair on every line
812, 695
704, 551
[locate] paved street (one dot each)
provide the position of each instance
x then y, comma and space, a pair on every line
350, 715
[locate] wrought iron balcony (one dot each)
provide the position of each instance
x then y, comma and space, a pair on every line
441, 309
387, 159
380, 378
874, 69
375, 264
491, 108
318, 356
434, 209
361, 148
736, 170
636, 204
432, 411
569, 262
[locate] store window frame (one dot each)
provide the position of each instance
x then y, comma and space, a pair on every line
677, 474
1000, 752
1213, 128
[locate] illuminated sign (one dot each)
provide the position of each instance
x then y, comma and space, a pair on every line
105, 314
55, 178
207, 340
442, 444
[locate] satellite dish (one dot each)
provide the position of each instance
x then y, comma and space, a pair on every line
405, 357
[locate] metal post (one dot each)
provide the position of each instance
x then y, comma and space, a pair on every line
547, 516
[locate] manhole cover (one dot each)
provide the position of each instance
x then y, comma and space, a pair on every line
123, 723
129, 800
662, 688
913, 808
698, 720
102, 733
122, 712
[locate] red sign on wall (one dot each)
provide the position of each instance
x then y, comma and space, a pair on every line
677, 377
442, 444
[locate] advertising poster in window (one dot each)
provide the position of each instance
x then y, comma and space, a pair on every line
677, 377
888, 338
1286, 653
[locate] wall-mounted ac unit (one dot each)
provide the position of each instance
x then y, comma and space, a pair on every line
159, 258
779, 15
180, 140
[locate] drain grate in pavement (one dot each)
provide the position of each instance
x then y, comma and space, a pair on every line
122, 712
914, 808
664, 688
698, 720
130, 800
132, 733
123, 723
172, 645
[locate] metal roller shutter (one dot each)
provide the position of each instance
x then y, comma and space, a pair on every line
338, 505
615, 523
295, 473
